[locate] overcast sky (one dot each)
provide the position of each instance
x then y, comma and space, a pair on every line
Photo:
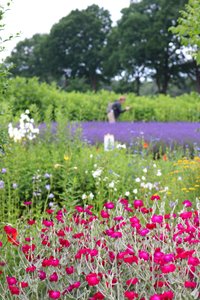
38, 16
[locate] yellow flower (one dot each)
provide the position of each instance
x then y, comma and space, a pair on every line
66, 157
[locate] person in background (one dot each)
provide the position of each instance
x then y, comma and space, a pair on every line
115, 109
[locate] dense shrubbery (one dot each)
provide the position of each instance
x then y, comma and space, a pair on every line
49, 102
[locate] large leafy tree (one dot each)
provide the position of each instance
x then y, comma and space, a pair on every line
146, 46
28, 58
188, 29
76, 44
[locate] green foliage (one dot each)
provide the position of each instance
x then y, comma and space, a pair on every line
188, 28
50, 102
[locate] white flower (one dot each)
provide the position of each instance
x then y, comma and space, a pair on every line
137, 179
143, 178
111, 184
154, 165
135, 191
97, 173
91, 196
121, 146
179, 178
149, 185
27, 111
127, 194
145, 170
159, 173
91, 155
84, 196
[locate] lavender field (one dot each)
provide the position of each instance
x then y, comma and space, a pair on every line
182, 133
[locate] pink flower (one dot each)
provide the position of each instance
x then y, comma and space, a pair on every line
116, 234
168, 268
156, 297
155, 197
194, 261
132, 281
186, 215
42, 275
98, 296
143, 255
130, 295
53, 277
14, 290
157, 218
24, 284
27, 203
109, 205
30, 269
54, 294
47, 223
187, 203
69, 270
105, 214
92, 279
138, 203
190, 284
11, 280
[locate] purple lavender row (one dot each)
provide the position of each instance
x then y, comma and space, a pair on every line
128, 132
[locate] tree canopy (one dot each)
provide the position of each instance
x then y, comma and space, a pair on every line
83, 50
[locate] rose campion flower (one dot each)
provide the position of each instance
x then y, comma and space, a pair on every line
190, 284
53, 277
42, 275
187, 203
14, 290
105, 214
131, 295
54, 294
168, 268
92, 279
109, 205
138, 203
11, 280
157, 218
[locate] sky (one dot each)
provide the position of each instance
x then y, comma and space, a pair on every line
29, 17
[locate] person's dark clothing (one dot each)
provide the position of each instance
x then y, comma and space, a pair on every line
117, 109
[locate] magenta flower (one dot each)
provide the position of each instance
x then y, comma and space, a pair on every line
92, 279
168, 268
54, 294
105, 214
190, 284
53, 277
69, 270
138, 203
157, 218
11, 280
109, 205
187, 203
42, 275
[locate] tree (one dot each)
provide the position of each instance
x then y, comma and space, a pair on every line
3, 69
146, 46
76, 45
188, 30
28, 58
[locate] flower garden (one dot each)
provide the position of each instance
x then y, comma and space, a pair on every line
82, 220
